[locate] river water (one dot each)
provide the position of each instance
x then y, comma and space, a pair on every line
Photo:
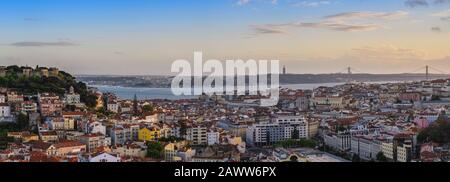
166, 93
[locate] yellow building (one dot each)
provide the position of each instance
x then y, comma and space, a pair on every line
335, 102
29, 137
69, 124
24, 136
149, 134
49, 136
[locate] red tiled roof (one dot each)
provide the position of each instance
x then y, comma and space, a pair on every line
68, 144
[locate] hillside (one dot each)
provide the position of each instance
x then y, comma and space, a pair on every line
41, 79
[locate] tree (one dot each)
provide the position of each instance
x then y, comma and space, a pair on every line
356, 158
308, 143
71, 107
135, 106
170, 139
435, 98
23, 121
436, 132
35, 84
104, 112
341, 128
381, 157
155, 150
147, 108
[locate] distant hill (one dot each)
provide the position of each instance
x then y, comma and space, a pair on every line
165, 81
338, 78
41, 79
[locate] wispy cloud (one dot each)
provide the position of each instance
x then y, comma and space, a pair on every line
368, 15
268, 29
387, 52
43, 44
441, 1
243, 2
310, 3
443, 15
335, 26
436, 29
417, 3
337, 22
338, 26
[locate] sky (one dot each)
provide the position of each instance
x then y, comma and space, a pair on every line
144, 37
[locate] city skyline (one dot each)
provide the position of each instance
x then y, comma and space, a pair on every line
102, 37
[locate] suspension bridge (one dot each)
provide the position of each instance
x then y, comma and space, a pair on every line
427, 71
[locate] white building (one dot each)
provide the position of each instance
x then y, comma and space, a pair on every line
213, 137
365, 147
168, 131
28, 106
105, 157
340, 142
5, 110
113, 107
72, 98
281, 128
96, 127
2, 98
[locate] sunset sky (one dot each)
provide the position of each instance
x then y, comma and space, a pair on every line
145, 36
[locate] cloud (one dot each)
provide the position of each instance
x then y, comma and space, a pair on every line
311, 3
43, 44
338, 26
243, 2
335, 26
368, 15
268, 29
445, 18
387, 52
443, 15
441, 1
436, 29
416, 3
337, 22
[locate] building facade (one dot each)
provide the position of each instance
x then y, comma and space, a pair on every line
280, 129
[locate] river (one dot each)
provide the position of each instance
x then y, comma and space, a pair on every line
166, 93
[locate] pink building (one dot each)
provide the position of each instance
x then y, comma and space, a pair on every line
421, 123
410, 96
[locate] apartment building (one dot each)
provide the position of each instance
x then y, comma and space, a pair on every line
280, 129
92, 141
340, 141
197, 135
